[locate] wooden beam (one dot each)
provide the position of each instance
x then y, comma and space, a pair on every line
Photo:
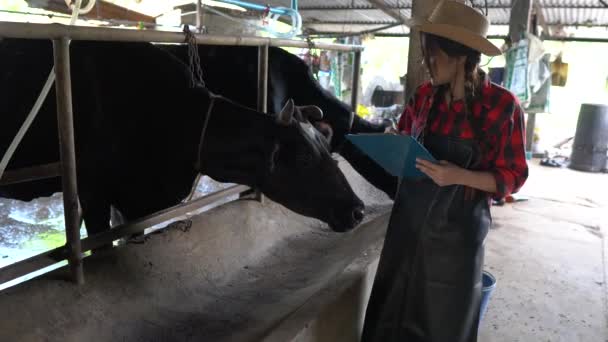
416, 72
541, 18
29, 174
102, 10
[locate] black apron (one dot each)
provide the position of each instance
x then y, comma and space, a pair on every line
428, 284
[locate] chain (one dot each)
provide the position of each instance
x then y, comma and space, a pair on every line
194, 60
311, 44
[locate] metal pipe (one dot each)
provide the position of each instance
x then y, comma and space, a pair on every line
57, 31
337, 34
65, 118
356, 75
58, 254
263, 78
199, 16
381, 5
29, 174
262, 92
256, 7
557, 39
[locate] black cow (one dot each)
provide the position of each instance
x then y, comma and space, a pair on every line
138, 125
232, 71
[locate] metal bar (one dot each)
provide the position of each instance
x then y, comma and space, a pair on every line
61, 51
409, 7
350, 34
199, 16
558, 39
51, 257
263, 78
356, 75
575, 39
381, 5
56, 31
31, 174
257, 7
352, 22
262, 92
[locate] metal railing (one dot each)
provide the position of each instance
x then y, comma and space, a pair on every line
61, 34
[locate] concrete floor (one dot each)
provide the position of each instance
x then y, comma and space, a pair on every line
549, 257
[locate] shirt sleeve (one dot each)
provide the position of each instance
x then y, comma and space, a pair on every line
510, 167
406, 119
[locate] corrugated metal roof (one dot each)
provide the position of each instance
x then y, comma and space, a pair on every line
346, 15
361, 15
578, 17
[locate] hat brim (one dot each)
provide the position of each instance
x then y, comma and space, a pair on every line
457, 34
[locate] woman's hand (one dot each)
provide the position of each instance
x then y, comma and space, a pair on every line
391, 130
444, 173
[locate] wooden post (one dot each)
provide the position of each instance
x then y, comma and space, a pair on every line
63, 86
356, 76
519, 23
416, 72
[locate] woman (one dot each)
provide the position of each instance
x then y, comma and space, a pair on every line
428, 283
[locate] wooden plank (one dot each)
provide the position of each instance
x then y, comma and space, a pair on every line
51, 257
29, 174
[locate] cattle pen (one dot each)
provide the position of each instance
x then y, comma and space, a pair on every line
61, 35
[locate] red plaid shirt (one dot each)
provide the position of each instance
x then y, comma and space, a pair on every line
498, 114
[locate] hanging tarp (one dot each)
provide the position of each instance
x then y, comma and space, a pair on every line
516, 79
540, 85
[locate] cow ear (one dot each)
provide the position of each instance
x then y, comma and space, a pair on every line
311, 112
286, 114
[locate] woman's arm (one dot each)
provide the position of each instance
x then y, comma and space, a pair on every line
507, 172
481, 180
446, 173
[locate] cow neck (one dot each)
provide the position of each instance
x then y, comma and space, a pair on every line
231, 132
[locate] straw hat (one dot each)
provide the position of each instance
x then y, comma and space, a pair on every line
460, 23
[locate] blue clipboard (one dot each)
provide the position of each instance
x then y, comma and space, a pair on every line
395, 153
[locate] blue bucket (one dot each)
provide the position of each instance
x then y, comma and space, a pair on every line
488, 283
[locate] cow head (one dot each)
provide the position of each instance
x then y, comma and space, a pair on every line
285, 157
302, 174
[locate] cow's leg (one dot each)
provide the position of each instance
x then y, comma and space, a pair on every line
96, 213
118, 218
